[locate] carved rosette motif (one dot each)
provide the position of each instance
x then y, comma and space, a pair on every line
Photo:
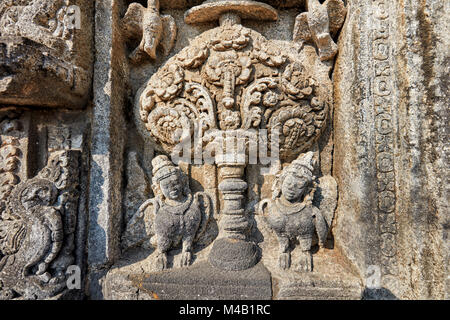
232, 78
384, 138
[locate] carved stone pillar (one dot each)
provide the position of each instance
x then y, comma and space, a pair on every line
233, 251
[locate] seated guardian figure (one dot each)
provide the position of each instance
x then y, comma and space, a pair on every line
291, 214
173, 218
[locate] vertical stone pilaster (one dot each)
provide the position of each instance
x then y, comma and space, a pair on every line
105, 203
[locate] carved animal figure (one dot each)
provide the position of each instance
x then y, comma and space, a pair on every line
152, 28
45, 227
319, 24
38, 236
291, 214
173, 217
37, 232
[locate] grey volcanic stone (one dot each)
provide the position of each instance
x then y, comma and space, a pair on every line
199, 282
88, 113
391, 145
232, 254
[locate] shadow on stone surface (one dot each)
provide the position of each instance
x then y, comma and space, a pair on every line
378, 294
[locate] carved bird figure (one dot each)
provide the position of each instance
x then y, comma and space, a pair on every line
151, 27
319, 24
34, 241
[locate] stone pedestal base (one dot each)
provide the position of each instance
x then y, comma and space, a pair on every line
199, 282
130, 280
233, 254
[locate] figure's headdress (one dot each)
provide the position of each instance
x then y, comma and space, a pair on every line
162, 168
303, 166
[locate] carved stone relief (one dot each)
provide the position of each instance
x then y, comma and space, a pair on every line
174, 218
37, 238
223, 149
150, 28
45, 52
292, 215
208, 108
39, 215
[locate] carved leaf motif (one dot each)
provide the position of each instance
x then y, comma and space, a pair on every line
163, 86
193, 57
283, 97
170, 126
268, 54
234, 37
259, 92
295, 83
204, 105
296, 127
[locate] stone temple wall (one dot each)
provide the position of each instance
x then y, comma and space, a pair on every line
224, 149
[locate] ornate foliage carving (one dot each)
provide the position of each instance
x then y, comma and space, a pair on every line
245, 81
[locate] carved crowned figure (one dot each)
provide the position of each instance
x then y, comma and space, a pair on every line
232, 81
291, 213
174, 217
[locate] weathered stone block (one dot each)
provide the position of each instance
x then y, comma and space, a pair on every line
46, 53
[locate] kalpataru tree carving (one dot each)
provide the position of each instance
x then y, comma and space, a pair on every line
230, 82
174, 217
37, 230
198, 91
46, 46
292, 214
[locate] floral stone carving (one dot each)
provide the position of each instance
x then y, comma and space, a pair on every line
174, 217
232, 78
